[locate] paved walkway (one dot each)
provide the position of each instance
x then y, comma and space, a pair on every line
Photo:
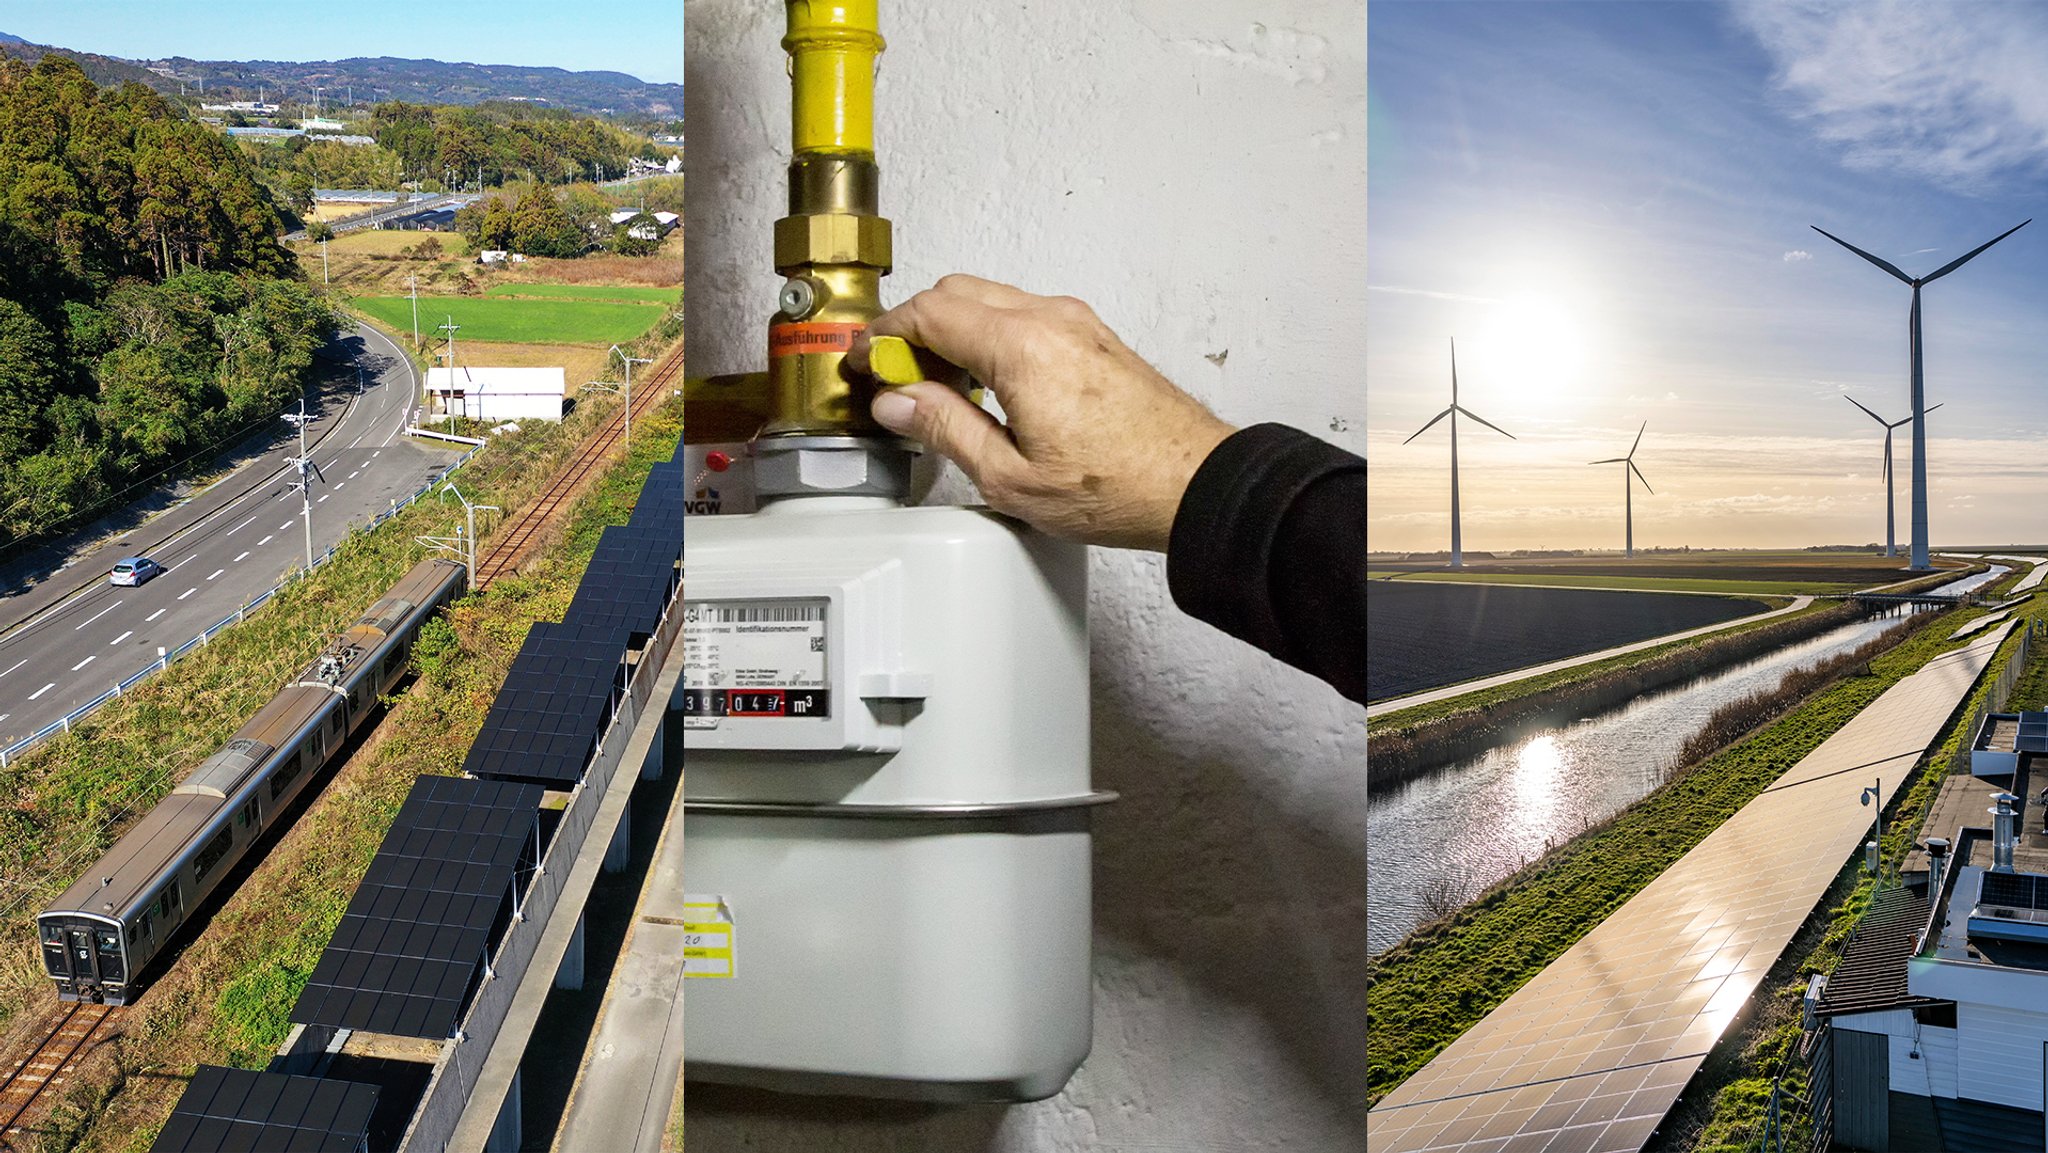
1593, 1052
1443, 694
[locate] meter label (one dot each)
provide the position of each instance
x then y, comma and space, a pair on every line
754, 659
710, 939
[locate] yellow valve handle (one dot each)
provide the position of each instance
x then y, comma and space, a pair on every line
894, 361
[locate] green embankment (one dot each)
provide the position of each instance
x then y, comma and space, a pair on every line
226, 998
517, 321
1623, 583
1444, 978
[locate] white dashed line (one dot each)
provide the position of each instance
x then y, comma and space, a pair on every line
17, 665
352, 475
119, 639
323, 497
375, 453
239, 527
85, 662
239, 559
187, 593
338, 487
266, 540
41, 691
182, 563
216, 573
284, 526
96, 616
150, 617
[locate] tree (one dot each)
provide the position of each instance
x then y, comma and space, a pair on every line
299, 192
542, 227
319, 230
28, 379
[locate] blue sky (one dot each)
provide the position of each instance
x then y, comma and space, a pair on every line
643, 38
1608, 205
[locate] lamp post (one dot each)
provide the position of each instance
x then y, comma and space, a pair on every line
627, 389
463, 543
307, 470
1875, 794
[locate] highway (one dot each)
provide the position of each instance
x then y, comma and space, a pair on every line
235, 540
405, 208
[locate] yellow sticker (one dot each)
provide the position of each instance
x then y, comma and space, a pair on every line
709, 937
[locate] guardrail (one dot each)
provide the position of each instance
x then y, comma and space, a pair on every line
63, 725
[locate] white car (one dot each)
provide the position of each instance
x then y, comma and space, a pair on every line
134, 571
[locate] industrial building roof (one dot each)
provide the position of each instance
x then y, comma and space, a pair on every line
1872, 971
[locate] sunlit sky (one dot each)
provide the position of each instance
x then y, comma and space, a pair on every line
642, 38
1608, 206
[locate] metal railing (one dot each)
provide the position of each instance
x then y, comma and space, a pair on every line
63, 725
2001, 692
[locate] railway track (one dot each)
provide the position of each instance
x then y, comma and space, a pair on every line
49, 1065
523, 531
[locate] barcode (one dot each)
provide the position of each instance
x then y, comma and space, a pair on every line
768, 614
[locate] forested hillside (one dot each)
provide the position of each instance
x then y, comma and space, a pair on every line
146, 308
501, 141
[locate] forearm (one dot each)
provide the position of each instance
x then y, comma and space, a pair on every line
1269, 546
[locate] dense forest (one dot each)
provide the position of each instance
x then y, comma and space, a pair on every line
498, 142
146, 307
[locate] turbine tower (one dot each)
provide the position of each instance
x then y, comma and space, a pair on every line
1628, 492
1890, 502
1919, 559
1457, 540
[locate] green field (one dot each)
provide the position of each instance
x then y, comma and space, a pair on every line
587, 292
516, 321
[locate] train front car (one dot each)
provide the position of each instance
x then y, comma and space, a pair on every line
86, 955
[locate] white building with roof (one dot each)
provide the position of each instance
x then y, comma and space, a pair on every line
495, 394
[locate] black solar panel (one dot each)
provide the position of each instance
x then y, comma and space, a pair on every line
2014, 890
226, 1109
407, 952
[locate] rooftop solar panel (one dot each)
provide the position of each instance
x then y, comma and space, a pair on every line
225, 1109
407, 952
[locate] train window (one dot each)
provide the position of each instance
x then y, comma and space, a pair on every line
247, 816
211, 855
394, 662
53, 935
285, 775
109, 942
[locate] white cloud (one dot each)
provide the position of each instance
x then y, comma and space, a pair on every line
1798, 254
1954, 93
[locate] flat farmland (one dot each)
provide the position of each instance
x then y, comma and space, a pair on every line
586, 292
1725, 572
1424, 635
519, 321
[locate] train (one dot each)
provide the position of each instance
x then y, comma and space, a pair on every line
100, 936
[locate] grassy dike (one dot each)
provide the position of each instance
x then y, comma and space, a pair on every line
226, 997
1446, 976
1726, 1108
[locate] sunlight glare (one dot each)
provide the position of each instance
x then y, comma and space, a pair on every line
1539, 342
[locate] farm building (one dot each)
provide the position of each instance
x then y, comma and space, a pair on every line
664, 222
492, 394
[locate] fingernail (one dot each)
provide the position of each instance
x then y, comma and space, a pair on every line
893, 411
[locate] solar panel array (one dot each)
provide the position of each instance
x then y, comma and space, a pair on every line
243, 1109
2033, 736
2014, 890
410, 947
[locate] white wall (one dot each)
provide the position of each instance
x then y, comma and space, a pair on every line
1195, 169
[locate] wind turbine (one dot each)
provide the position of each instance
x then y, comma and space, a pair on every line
1457, 541
1628, 492
1919, 559
1890, 549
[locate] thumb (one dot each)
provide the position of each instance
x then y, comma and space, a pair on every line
948, 422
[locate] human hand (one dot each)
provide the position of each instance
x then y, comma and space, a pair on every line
1099, 446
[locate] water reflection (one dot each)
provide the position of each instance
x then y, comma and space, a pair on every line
1481, 819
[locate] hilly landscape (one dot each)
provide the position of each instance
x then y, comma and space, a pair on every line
378, 78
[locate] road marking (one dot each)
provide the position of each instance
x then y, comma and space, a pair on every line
181, 564
187, 593
216, 573
338, 487
357, 441
41, 691
352, 476
266, 540
239, 559
375, 454
323, 498
284, 494
96, 616
17, 665
119, 639
284, 526
85, 662
145, 620
239, 527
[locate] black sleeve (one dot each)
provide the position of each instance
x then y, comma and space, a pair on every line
1269, 546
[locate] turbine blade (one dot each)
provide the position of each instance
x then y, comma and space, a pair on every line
1454, 372
1470, 415
1873, 416
1432, 420
1965, 258
1879, 261
1610, 460
1639, 440
1925, 411
1639, 476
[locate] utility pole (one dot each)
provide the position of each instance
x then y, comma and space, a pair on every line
451, 328
626, 390
463, 544
413, 282
323, 262
307, 470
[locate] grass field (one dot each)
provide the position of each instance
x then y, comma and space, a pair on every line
586, 292
519, 321
1623, 583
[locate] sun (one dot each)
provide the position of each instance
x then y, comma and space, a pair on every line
1538, 341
